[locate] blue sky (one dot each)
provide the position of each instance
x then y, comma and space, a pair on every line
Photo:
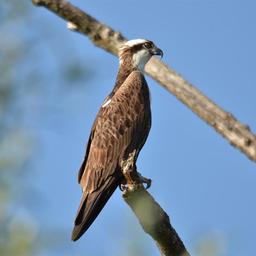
204, 184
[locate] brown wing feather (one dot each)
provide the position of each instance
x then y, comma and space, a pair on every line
81, 170
119, 128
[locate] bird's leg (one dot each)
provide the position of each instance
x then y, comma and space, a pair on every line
129, 171
133, 179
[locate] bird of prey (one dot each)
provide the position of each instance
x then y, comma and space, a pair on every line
118, 133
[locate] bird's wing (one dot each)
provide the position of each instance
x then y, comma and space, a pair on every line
82, 167
117, 125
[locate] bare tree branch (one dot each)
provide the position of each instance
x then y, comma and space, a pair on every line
100, 34
153, 219
238, 134
155, 222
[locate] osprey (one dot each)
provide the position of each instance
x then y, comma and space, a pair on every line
119, 132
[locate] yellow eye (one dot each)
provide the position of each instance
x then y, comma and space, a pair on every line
148, 45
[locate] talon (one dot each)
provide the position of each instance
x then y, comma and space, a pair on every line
122, 187
145, 180
148, 183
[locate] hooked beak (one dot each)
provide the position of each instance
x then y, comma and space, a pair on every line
157, 51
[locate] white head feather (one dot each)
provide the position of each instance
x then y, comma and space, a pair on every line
133, 42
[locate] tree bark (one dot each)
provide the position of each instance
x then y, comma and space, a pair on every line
155, 222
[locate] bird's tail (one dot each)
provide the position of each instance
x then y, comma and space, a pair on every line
91, 205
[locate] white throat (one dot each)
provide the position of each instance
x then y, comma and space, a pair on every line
140, 59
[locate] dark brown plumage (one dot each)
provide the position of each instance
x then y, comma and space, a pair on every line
120, 128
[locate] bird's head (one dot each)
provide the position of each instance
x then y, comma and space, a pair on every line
137, 53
